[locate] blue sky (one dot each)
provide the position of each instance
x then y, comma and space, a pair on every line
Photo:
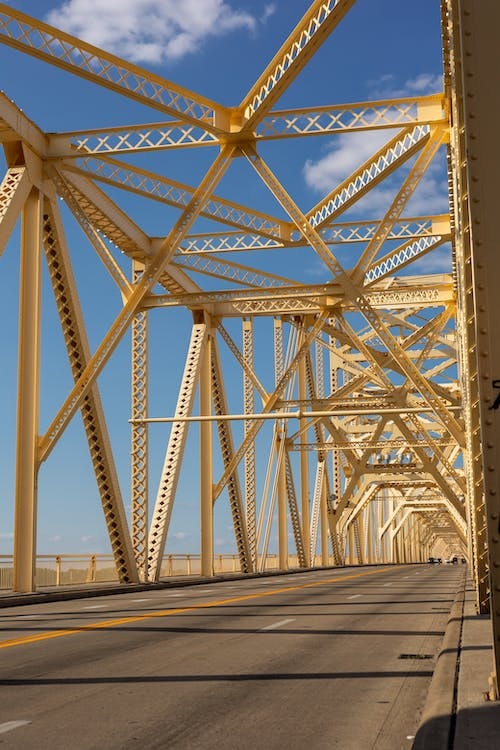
383, 49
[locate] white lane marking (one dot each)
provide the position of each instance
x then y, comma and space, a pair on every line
405, 577
96, 606
355, 596
140, 600
276, 625
387, 584
29, 617
175, 594
8, 726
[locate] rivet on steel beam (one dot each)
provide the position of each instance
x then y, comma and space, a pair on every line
489, 421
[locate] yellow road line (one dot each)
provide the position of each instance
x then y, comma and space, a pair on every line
177, 611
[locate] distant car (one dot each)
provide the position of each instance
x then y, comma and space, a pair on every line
434, 560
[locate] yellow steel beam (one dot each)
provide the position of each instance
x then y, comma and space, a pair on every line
28, 34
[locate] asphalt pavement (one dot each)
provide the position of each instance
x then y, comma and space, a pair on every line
339, 658
437, 704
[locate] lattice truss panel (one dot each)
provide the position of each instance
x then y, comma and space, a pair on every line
337, 415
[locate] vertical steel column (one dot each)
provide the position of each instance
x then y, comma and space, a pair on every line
175, 449
206, 478
325, 558
220, 407
369, 534
466, 316
336, 481
139, 435
352, 543
304, 466
92, 412
360, 534
28, 395
249, 408
480, 55
280, 451
282, 502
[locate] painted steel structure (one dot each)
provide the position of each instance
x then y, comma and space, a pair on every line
383, 431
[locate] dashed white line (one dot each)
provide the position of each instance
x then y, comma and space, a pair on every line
387, 584
276, 625
140, 600
29, 617
97, 606
8, 726
355, 596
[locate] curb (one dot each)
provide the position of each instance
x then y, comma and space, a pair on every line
438, 717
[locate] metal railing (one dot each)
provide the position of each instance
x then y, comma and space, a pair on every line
67, 570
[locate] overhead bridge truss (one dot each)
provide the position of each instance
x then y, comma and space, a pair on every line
351, 420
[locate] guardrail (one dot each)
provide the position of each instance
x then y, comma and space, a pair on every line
67, 570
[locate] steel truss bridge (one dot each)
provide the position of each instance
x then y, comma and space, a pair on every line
375, 404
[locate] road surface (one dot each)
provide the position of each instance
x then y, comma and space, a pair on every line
338, 658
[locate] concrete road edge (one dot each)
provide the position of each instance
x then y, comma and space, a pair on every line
438, 717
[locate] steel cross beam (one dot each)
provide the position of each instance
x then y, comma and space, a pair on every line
279, 124
151, 275
36, 38
394, 349
312, 30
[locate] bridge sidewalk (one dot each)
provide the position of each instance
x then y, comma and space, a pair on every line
458, 714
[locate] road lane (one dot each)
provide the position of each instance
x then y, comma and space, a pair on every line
217, 674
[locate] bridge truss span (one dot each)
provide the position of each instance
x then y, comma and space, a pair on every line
315, 375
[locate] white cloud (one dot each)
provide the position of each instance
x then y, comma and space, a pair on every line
387, 86
269, 11
7, 535
86, 539
55, 539
181, 535
150, 31
345, 154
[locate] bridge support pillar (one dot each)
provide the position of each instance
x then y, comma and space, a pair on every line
28, 396
206, 478
476, 109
